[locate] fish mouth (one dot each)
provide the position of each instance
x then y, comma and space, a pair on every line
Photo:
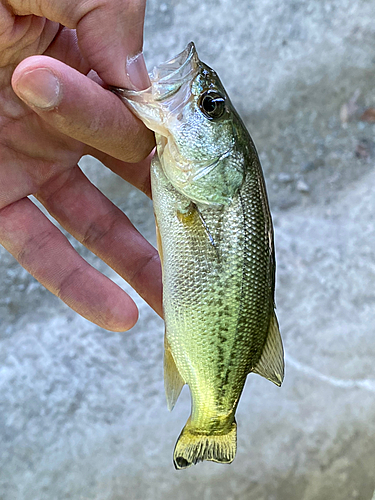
166, 78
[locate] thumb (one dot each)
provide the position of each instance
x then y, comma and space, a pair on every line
109, 32
80, 108
111, 39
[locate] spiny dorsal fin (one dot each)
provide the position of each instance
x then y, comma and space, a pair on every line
173, 382
271, 363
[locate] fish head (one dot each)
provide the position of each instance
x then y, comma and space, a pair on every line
197, 130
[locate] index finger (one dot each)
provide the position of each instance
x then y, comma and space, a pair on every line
110, 34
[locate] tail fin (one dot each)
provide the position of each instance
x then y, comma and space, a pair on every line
192, 447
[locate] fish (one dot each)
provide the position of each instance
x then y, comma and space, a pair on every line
216, 244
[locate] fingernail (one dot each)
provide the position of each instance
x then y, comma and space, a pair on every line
39, 88
137, 72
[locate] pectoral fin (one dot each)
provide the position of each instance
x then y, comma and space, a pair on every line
173, 381
207, 229
271, 363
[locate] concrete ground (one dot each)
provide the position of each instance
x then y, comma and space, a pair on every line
82, 410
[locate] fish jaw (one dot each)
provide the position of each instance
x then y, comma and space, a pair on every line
167, 78
170, 85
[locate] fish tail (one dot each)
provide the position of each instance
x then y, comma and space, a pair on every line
193, 447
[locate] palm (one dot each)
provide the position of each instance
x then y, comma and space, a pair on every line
37, 158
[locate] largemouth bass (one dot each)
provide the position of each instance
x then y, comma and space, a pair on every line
215, 239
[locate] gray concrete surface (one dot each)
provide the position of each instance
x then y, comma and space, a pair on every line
82, 410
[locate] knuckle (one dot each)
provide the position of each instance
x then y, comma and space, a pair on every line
20, 38
141, 270
67, 283
33, 247
97, 231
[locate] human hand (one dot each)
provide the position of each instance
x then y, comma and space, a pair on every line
64, 114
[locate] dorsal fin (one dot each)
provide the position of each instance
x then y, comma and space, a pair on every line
173, 382
271, 363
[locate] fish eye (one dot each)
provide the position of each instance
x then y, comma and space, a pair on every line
212, 104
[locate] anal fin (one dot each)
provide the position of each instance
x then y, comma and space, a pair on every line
173, 381
271, 363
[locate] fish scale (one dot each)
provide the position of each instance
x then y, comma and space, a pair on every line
229, 331
216, 246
